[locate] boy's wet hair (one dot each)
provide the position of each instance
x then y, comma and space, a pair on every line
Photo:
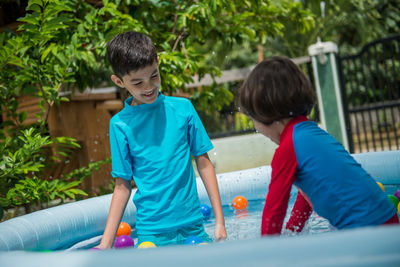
276, 89
130, 51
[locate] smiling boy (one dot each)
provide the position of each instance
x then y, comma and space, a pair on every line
152, 140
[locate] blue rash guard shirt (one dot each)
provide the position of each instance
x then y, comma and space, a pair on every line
329, 180
153, 144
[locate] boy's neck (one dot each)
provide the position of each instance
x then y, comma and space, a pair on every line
134, 103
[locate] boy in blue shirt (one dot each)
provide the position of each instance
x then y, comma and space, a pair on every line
152, 140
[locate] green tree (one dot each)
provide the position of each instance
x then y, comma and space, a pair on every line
350, 24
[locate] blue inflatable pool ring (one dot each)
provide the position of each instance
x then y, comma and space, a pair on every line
70, 230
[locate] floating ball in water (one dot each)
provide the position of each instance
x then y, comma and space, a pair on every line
193, 240
394, 200
124, 229
206, 210
147, 244
397, 194
239, 202
124, 241
398, 207
381, 186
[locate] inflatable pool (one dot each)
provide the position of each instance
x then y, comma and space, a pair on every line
64, 227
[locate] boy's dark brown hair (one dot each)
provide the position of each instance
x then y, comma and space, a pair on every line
130, 51
276, 89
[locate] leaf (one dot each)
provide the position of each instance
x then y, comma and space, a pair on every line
78, 192
47, 51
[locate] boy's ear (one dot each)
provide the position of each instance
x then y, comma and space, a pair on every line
117, 81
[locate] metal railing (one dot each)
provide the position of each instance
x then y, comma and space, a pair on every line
370, 83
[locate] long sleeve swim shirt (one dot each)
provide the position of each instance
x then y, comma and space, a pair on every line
331, 183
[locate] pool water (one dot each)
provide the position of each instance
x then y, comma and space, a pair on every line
246, 224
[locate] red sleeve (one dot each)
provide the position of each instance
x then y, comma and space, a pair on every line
301, 211
284, 166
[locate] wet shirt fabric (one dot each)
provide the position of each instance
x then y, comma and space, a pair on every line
153, 144
329, 180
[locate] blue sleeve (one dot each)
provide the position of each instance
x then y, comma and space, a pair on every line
199, 141
120, 156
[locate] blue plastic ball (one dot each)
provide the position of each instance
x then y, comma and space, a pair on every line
206, 210
193, 240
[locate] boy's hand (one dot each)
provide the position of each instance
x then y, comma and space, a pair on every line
220, 232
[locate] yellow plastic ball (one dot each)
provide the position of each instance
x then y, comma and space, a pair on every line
147, 244
381, 186
398, 207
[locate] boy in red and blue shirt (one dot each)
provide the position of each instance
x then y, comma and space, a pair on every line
278, 97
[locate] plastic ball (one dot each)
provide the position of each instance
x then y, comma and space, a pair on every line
397, 194
381, 186
394, 200
147, 244
193, 240
124, 241
206, 210
124, 229
94, 248
239, 202
398, 207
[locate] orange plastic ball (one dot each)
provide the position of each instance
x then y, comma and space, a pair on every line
239, 202
124, 229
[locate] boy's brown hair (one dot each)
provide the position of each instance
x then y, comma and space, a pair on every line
130, 51
276, 89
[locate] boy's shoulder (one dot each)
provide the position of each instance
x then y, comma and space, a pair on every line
121, 117
178, 100
179, 103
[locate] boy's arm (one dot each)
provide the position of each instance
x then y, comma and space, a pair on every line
283, 176
301, 211
120, 197
207, 174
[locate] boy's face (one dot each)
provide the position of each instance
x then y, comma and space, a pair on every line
272, 131
142, 84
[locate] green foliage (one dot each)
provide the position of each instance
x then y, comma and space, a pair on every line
23, 158
61, 43
190, 30
350, 24
38, 191
81, 173
23, 162
20, 157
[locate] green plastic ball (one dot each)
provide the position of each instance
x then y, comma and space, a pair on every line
394, 200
